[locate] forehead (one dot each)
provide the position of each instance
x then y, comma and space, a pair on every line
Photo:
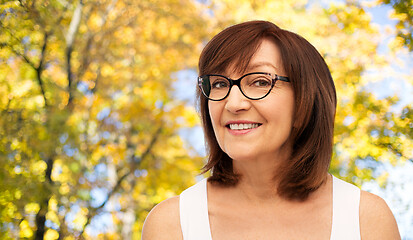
266, 58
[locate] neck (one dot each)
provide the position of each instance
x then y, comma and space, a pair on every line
258, 180
258, 184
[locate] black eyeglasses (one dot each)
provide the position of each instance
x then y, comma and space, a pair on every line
254, 86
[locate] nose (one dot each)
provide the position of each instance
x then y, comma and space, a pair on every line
236, 101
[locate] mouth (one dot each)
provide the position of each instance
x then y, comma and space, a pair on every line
242, 126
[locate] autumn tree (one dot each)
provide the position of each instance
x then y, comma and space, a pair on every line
86, 112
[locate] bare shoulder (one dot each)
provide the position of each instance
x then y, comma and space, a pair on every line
376, 219
163, 221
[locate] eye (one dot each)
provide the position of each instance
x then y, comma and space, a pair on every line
261, 82
219, 84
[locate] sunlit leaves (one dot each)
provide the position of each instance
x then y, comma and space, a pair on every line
403, 12
120, 134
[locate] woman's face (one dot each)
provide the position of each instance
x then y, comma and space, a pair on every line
266, 123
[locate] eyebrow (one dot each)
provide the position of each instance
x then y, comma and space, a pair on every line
260, 64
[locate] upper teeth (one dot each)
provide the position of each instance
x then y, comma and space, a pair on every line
243, 126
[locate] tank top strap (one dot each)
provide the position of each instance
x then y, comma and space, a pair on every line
346, 204
193, 210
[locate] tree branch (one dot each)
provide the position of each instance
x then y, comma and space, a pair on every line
40, 68
44, 204
70, 37
23, 56
135, 161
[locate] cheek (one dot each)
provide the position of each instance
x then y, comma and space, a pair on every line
290, 111
287, 105
282, 110
214, 114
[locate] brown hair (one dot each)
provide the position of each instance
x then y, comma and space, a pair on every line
315, 104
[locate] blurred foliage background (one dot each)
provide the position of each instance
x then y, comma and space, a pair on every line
89, 122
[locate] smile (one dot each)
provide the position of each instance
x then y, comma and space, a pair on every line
243, 126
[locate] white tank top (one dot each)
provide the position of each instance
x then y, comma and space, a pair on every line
193, 209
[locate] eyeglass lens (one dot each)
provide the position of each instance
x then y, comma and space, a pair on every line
253, 86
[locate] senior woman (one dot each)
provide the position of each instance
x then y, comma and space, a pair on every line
267, 102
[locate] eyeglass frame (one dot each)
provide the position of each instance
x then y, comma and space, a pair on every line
237, 82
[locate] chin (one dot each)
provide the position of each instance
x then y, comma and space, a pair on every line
242, 157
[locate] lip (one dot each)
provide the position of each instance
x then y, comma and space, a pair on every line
241, 132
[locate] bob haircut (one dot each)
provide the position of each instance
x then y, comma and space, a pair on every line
315, 105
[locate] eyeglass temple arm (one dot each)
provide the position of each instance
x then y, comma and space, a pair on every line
285, 79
